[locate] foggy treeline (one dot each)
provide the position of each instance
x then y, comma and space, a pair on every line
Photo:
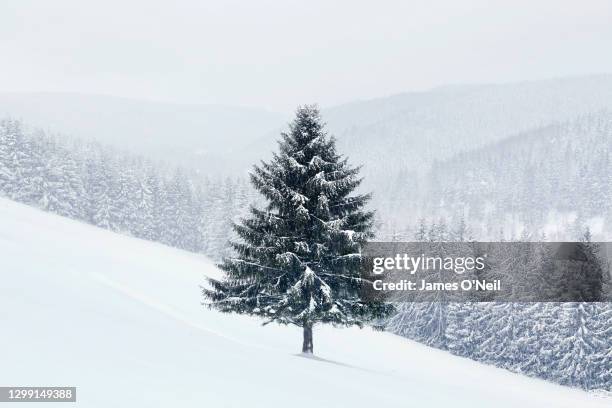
568, 343
119, 191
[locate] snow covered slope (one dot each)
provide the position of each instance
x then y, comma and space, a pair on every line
121, 319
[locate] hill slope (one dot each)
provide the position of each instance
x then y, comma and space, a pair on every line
391, 135
121, 319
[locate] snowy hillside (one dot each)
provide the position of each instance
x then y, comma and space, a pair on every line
120, 318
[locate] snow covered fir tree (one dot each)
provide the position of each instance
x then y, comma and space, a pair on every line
298, 259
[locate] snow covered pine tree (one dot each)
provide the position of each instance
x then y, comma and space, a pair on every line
298, 260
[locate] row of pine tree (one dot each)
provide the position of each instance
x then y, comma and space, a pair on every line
120, 191
568, 343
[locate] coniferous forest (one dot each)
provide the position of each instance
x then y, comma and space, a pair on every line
568, 343
565, 342
119, 191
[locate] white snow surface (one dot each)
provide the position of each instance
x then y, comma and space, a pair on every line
121, 319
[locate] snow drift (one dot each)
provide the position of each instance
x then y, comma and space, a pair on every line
121, 319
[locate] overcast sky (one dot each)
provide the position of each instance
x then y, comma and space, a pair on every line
277, 54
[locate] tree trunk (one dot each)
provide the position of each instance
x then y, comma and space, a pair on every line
307, 344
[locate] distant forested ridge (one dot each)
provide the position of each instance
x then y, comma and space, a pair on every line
555, 179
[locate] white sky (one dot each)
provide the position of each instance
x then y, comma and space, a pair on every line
277, 54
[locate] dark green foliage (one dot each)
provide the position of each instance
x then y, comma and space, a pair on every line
298, 259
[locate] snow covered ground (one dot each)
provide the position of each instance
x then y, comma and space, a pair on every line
121, 319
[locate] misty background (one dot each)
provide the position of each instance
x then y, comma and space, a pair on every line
416, 92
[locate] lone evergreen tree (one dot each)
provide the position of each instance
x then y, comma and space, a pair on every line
298, 259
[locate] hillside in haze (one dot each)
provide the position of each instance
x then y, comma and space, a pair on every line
405, 133
554, 176
402, 133
389, 135
395, 138
200, 136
